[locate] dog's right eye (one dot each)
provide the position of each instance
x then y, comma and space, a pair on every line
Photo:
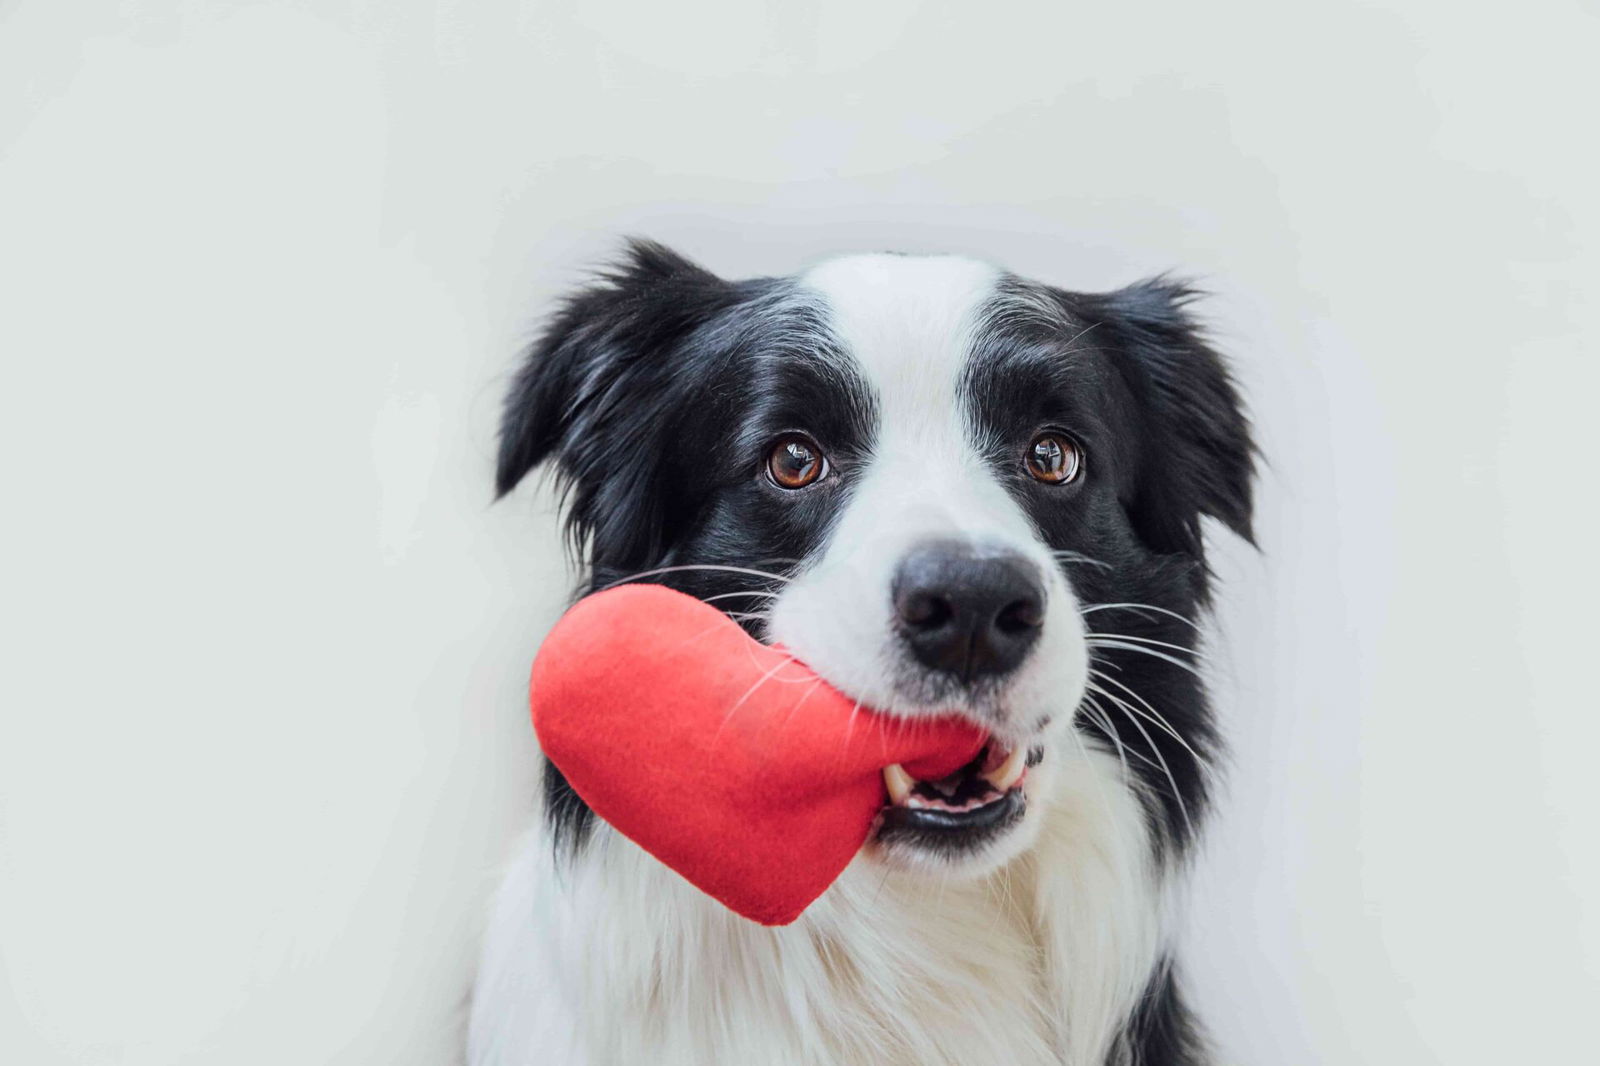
795, 462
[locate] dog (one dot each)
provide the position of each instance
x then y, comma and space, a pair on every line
947, 489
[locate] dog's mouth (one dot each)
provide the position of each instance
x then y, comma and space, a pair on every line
962, 811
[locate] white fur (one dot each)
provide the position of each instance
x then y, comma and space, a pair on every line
616, 960
1033, 952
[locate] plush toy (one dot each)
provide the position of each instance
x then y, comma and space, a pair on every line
725, 758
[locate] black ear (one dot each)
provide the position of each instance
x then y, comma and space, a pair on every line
596, 392
1196, 457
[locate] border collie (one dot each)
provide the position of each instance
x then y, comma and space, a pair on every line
947, 489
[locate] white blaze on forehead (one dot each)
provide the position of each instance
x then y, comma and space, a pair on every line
908, 323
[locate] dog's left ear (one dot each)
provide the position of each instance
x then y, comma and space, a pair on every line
1197, 456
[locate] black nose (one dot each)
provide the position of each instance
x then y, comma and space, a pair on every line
967, 611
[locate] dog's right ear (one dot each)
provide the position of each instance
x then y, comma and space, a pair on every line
595, 391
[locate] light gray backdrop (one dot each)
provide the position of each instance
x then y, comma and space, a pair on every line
263, 269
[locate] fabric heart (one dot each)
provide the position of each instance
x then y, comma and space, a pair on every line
725, 758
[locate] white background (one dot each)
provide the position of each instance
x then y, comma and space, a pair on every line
263, 271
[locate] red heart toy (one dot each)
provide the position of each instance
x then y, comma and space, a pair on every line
725, 758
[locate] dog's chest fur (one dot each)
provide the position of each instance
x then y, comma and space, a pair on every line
611, 958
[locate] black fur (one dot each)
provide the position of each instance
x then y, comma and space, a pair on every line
1162, 1031
1166, 444
657, 391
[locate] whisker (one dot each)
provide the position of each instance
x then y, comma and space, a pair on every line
697, 566
1079, 557
1103, 723
762, 680
1138, 607
850, 726
1177, 795
1099, 786
1078, 336
1108, 727
730, 595
1154, 715
801, 701
1148, 640
1147, 651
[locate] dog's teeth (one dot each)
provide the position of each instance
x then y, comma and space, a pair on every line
899, 782
1005, 775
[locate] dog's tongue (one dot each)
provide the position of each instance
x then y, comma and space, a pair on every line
724, 758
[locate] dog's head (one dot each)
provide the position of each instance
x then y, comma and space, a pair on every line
945, 488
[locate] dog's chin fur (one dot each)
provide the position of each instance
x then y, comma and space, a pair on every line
657, 393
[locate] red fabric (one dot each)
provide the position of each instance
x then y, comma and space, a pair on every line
724, 758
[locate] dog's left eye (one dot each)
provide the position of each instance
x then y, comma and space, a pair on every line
795, 462
1054, 458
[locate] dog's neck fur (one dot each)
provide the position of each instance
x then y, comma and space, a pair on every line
609, 957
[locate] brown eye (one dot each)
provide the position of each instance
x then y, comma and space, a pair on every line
1054, 458
795, 462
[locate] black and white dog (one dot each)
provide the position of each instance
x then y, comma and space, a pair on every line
946, 489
